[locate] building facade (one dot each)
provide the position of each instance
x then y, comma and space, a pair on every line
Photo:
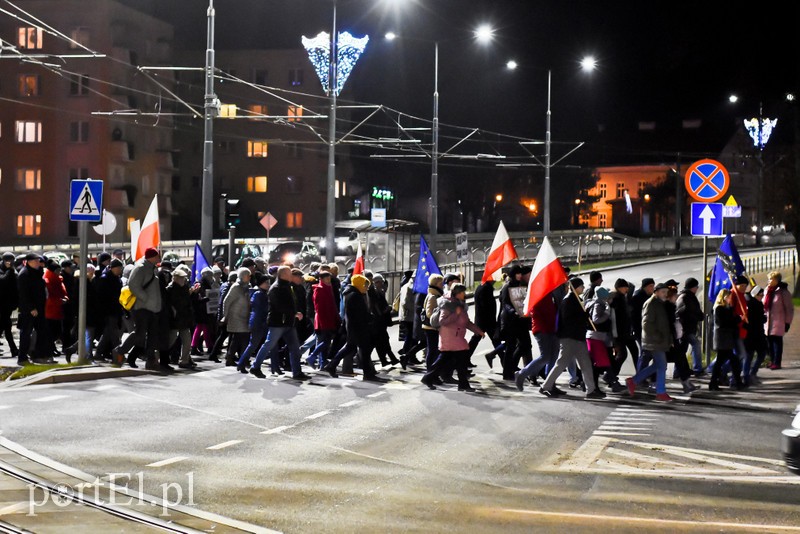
67, 117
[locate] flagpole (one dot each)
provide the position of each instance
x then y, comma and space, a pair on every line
582, 306
705, 302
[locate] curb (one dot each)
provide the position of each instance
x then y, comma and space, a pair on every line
73, 374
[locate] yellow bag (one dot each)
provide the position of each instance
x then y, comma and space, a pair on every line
127, 298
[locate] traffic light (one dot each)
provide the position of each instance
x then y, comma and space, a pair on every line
232, 215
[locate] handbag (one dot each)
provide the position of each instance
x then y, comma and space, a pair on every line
126, 298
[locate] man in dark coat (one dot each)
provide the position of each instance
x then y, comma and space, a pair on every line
32, 299
9, 299
108, 286
690, 314
624, 341
284, 312
514, 327
640, 296
381, 320
486, 319
357, 319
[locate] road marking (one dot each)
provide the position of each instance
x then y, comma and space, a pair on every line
376, 394
50, 398
587, 453
623, 427
350, 403
224, 445
4, 407
168, 461
277, 429
649, 520
611, 433
317, 415
396, 384
15, 508
104, 388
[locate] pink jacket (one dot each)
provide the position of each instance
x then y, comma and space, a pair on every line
453, 325
780, 311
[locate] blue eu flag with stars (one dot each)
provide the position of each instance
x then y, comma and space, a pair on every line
426, 266
728, 264
200, 262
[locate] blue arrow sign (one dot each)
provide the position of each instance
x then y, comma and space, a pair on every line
707, 219
86, 200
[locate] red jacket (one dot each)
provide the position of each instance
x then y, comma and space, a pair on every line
54, 307
543, 316
326, 317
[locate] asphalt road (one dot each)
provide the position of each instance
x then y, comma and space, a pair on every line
341, 455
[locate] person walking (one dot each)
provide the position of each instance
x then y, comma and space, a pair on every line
656, 341
623, 333
222, 330
573, 322
144, 285
690, 314
237, 316
543, 325
357, 320
259, 310
54, 307
411, 343
32, 300
203, 320
756, 341
326, 319
453, 346
780, 312
486, 319
284, 312
108, 286
179, 306
638, 299
726, 335
381, 321
435, 292
9, 300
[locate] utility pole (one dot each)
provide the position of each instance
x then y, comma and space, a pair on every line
330, 224
210, 111
435, 154
678, 202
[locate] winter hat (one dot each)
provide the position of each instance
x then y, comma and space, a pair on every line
8, 256
647, 282
576, 282
115, 263
260, 278
621, 282
661, 286
360, 282
601, 293
206, 271
30, 256
52, 266
755, 291
105, 256
248, 262
243, 271
691, 283
184, 269
671, 283
595, 276
378, 278
149, 253
179, 273
741, 279
273, 270
67, 264
216, 270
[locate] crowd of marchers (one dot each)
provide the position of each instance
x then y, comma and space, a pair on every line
295, 321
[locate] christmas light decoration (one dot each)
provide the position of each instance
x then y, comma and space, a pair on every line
761, 135
348, 51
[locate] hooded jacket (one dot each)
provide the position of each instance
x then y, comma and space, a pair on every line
356, 313
434, 293
56, 292
779, 309
453, 325
656, 334
688, 312
145, 287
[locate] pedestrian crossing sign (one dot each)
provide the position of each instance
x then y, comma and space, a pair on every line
86, 200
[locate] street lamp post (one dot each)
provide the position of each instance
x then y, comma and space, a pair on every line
330, 220
435, 153
210, 111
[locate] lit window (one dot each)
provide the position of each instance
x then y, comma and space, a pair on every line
130, 221
258, 111
620, 189
336, 190
294, 184
29, 131
227, 111
294, 113
29, 225
256, 149
80, 36
294, 219
28, 85
29, 38
602, 190
295, 77
79, 132
79, 84
28, 180
603, 219
256, 184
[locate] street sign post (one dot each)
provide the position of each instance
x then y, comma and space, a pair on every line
731, 209
85, 206
462, 247
707, 180
706, 219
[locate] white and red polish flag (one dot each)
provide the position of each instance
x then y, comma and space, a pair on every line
358, 267
548, 274
149, 234
501, 254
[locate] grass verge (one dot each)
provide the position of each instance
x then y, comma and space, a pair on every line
36, 368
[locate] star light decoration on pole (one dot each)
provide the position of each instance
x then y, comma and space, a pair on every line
348, 51
760, 135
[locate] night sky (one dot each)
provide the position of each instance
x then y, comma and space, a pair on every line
659, 62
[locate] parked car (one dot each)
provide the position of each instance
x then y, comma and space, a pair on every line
346, 235
791, 444
296, 252
240, 252
55, 255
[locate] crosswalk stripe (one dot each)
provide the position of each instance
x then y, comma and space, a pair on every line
168, 461
277, 429
224, 445
614, 433
50, 398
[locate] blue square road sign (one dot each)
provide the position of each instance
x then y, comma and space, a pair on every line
707, 219
86, 200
